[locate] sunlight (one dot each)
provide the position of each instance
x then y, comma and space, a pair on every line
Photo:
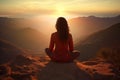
44, 23
60, 11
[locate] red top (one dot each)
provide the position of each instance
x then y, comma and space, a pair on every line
60, 49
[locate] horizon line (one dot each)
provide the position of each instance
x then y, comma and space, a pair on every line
117, 15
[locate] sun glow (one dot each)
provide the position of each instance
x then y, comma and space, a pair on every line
60, 11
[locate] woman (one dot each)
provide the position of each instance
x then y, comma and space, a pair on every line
61, 43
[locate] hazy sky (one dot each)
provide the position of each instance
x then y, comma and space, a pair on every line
24, 8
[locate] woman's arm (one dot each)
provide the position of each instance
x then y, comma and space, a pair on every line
71, 43
51, 46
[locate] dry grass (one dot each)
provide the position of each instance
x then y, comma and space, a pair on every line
111, 54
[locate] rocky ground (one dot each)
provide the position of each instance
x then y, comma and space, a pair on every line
25, 67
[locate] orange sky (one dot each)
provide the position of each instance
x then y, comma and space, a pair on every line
55, 8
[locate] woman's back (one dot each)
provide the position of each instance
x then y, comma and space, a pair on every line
59, 48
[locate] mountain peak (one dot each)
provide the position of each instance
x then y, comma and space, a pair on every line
91, 16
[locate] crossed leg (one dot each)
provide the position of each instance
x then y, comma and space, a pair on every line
74, 54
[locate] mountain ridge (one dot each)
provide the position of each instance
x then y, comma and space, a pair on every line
101, 39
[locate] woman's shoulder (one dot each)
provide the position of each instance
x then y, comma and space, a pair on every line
70, 35
54, 34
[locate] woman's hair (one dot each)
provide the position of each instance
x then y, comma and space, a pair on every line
62, 28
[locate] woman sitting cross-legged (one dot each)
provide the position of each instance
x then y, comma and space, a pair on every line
61, 43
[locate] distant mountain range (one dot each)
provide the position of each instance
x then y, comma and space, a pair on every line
18, 32
21, 31
104, 38
81, 27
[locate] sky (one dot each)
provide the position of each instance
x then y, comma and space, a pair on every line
55, 8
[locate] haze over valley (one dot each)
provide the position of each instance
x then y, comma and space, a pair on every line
34, 34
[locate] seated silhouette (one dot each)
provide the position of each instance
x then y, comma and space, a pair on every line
61, 43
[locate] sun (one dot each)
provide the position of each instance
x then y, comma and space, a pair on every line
60, 11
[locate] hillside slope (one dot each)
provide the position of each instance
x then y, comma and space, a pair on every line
101, 39
8, 51
26, 38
